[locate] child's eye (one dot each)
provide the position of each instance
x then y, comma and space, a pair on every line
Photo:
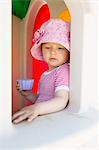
47, 47
60, 48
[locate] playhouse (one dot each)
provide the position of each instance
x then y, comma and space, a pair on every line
27, 16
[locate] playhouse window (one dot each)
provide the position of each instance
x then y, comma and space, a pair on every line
24, 66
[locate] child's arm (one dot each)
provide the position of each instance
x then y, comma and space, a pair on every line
30, 112
31, 97
28, 95
56, 104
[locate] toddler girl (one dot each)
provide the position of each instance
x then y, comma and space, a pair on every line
52, 44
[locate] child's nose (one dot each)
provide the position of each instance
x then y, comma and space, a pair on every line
53, 51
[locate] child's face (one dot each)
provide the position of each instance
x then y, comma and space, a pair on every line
54, 54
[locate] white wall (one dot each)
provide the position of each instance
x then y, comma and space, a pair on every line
5, 68
90, 51
83, 54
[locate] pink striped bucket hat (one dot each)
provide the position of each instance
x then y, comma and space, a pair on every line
54, 30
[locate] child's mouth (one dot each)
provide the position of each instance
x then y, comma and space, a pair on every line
53, 59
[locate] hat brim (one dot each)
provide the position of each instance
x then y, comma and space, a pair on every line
36, 51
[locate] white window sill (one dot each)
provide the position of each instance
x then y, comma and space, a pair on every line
58, 130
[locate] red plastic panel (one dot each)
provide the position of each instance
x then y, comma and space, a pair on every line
39, 66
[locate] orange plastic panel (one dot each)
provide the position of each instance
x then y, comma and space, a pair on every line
65, 15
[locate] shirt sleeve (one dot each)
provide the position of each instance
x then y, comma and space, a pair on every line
62, 78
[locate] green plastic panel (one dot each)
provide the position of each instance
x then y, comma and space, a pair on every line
20, 7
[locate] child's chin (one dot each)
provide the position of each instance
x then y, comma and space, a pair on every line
55, 65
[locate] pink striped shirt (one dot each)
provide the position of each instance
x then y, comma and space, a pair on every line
50, 82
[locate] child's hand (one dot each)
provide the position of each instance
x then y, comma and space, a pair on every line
28, 112
22, 92
18, 86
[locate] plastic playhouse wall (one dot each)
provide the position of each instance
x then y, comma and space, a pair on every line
83, 63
